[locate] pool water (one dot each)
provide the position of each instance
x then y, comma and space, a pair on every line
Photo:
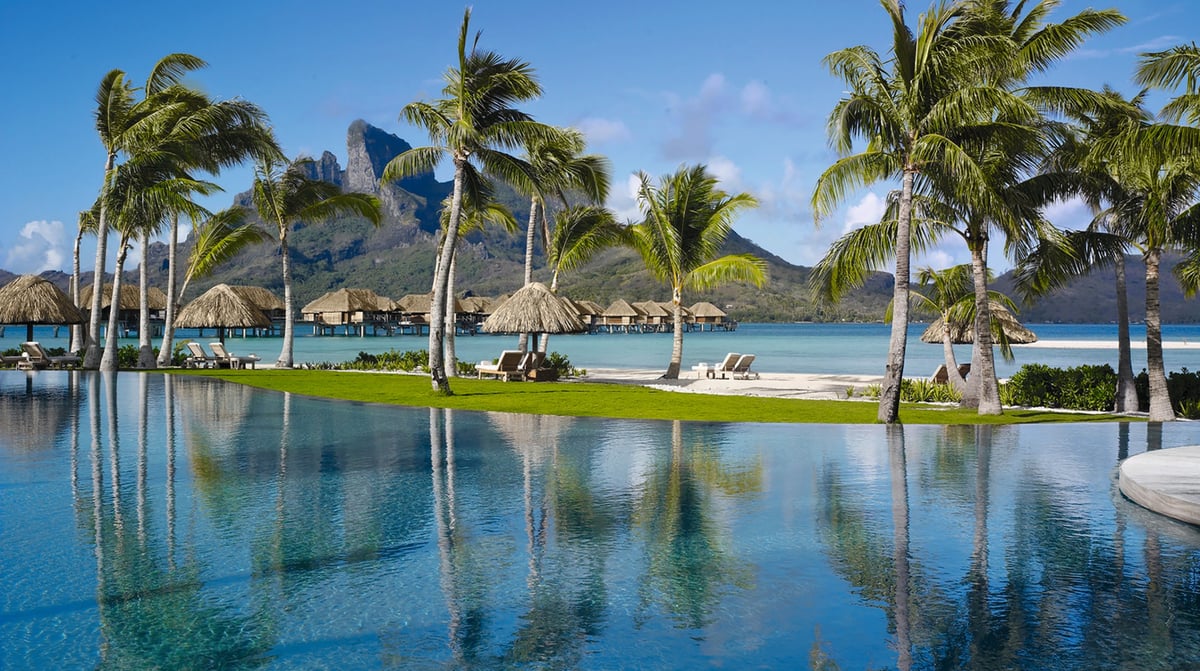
159, 521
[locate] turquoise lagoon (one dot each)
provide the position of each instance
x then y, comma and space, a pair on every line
856, 349
151, 521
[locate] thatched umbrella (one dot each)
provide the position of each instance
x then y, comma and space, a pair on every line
263, 299
964, 333
221, 307
30, 300
533, 309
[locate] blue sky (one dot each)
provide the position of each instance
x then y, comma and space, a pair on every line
738, 86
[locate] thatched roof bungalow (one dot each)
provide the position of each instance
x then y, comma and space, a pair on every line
707, 313
620, 313
653, 314
270, 304
346, 306
129, 302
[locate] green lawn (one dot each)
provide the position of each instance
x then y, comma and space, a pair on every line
584, 399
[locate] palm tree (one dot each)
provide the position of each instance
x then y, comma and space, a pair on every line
687, 219
87, 224
125, 123
579, 233
218, 239
471, 124
559, 165
284, 196
902, 107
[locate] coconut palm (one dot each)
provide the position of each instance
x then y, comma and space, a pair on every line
558, 166
579, 233
471, 124
686, 220
284, 196
87, 224
1170, 69
903, 108
219, 238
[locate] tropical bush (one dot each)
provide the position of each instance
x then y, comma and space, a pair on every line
562, 365
1183, 386
408, 361
1078, 388
922, 390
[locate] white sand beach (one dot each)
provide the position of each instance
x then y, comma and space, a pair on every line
1104, 344
777, 385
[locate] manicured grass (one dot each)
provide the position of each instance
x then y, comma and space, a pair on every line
584, 399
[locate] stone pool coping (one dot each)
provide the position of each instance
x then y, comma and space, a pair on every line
1165, 481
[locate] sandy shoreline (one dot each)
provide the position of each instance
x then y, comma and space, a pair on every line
1104, 344
776, 385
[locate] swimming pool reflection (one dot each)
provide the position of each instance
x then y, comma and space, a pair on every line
214, 525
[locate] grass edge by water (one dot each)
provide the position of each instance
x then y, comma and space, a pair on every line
617, 401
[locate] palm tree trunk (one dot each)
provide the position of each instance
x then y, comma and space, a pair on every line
956, 379
109, 362
92, 358
1127, 400
77, 330
677, 335
168, 340
889, 397
898, 467
523, 340
450, 363
289, 321
983, 368
441, 282
145, 349
1160, 400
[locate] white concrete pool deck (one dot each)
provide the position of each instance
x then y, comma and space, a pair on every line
1165, 481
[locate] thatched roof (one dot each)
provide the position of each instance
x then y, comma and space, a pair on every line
221, 306
651, 309
130, 297
419, 304
621, 308
480, 305
30, 299
706, 309
261, 298
588, 308
962, 334
533, 309
684, 311
349, 300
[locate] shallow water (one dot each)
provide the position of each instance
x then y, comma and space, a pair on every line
189, 523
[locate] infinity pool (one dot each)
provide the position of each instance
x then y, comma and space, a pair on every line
157, 521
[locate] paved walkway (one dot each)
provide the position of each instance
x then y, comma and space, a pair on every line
1165, 481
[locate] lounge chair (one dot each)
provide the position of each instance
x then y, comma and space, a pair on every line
200, 358
507, 367
741, 369
39, 359
727, 365
534, 365
232, 360
11, 360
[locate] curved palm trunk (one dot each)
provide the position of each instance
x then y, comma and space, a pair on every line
145, 349
92, 358
441, 282
889, 397
289, 322
983, 367
1127, 400
109, 361
956, 379
523, 340
450, 363
77, 330
677, 336
1160, 400
168, 339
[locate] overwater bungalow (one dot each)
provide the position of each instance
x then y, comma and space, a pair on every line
620, 317
413, 312
654, 318
271, 305
707, 314
353, 309
129, 306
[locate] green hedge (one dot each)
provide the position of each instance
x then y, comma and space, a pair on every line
1079, 388
1183, 386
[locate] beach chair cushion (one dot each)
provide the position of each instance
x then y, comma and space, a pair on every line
741, 370
226, 358
726, 366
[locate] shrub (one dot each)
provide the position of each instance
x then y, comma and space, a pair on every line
127, 356
1078, 388
391, 360
562, 365
927, 391
1183, 387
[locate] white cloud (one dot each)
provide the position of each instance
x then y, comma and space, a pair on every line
756, 99
727, 173
868, 210
693, 118
1156, 44
624, 203
602, 131
1072, 214
41, 245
